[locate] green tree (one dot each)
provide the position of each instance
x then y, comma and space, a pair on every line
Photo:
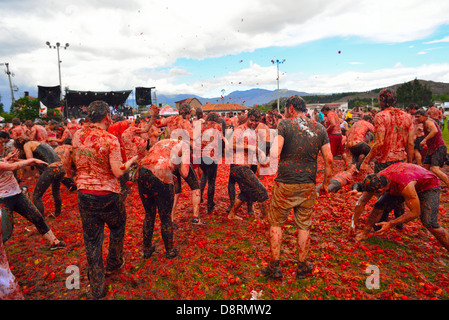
26, 108
444, 97
53, 114
414, 92
1, 105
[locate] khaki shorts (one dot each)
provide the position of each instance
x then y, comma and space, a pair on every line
299, 197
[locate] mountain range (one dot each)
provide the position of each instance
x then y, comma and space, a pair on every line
250, 98
254, 97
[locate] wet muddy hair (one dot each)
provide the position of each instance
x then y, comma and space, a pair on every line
373, 182
213, 116
4, 135
297, 102
97, 111
421, 112
254, 113
199, 112
367, 118
388, 97
184, 109
20, 142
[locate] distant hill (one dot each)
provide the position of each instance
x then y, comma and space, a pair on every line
248, 98
437, 88
255, 97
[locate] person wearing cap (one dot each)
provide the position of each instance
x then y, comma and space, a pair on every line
99, 167
436, 147
405, 183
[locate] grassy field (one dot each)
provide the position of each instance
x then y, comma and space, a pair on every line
223, 260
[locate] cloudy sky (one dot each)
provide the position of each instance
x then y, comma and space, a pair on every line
212, 47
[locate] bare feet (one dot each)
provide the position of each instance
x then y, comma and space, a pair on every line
362, 235
233, 216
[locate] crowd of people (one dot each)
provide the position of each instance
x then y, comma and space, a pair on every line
393, 154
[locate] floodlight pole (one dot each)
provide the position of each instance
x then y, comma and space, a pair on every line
57, 46
277, 65
9, 78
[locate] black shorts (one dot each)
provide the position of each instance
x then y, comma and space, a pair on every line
251, 189
381, 166
191, 179
436, 159
429, 203
417, 145
359, 149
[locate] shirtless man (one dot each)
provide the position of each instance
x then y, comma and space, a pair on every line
436, 147
245, 151
355, 139
156, 189
179, 127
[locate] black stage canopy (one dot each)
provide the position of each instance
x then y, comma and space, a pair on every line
84, 98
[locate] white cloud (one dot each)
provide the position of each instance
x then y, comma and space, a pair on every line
116, 44
445, 39
363, 81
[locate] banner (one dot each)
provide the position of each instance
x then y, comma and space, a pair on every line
43, 110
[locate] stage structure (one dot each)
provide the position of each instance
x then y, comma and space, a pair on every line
76, 102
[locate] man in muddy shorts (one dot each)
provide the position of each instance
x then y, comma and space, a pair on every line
298, 143
417, 187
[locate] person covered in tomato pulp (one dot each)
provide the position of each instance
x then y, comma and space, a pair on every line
209, 139
436, 147
393, 141
245, 153
404, 182
356, 139
298, 143
156, 184
99, 167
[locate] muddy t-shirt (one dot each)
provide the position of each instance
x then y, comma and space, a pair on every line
333, 119
395, 124
436, 141
133, 143
94, 149
303, 139
401, 174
